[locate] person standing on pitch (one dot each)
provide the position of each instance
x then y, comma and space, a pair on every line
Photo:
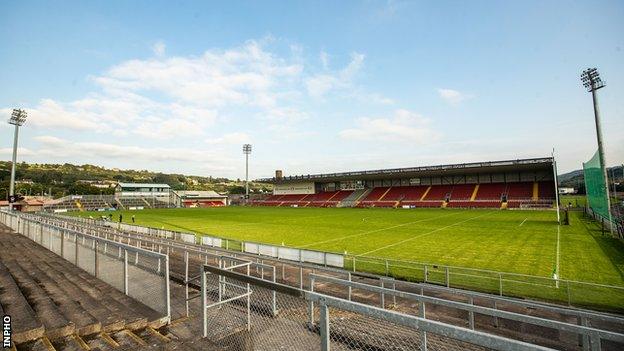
120, 218
132, 218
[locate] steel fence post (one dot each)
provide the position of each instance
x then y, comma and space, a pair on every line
167, 289
568, 291
349, 288
425, 273
248, 300
274, 295
382, 295
76, 249
125, 272
500, 284
62, 243
186, 282
423, 334
95, 258
324, 326
311, 304
387, 269
584, 339
394, 295
471, 314
448, 282
203, 303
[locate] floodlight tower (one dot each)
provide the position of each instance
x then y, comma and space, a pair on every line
592, 82
18, 117
247, 151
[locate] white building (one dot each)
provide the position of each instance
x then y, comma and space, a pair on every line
145, 190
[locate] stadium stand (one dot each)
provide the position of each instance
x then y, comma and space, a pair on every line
462, 191
490, 191
438, 192
478, 185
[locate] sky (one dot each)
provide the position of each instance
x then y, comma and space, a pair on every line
315, 87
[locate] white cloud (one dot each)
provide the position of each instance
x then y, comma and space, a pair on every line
159, 48
148, 102
402, 127
321, 84
230, 139
58, 148
20, 152
453, 97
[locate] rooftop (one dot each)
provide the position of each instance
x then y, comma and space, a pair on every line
448, 169
198, 193
142, 185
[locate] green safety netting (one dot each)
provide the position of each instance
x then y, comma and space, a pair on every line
595, 186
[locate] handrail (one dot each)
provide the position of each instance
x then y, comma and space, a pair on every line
587, 331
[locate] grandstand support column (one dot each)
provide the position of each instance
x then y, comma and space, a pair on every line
592, 81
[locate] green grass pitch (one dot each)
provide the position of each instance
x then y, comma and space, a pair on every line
522, 242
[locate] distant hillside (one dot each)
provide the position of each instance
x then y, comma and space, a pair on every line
65, 179
575, 179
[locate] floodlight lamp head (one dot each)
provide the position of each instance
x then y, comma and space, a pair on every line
591, 79
247, 149
18, 117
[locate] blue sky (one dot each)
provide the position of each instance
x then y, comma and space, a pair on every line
314, 86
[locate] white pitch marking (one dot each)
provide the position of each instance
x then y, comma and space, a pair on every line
419, 236
375, 231
523, 222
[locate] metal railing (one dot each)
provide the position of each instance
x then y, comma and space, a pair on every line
589, 337
138, 273
313, 321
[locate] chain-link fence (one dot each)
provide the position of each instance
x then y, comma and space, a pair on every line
140, 274
235, 317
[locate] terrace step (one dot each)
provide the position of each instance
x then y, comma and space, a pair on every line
128, 339
69, 305
114, 301
102, 342
56, 325
26, 326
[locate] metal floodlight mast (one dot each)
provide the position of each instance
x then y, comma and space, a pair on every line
592, 82
18, 117
247, 151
